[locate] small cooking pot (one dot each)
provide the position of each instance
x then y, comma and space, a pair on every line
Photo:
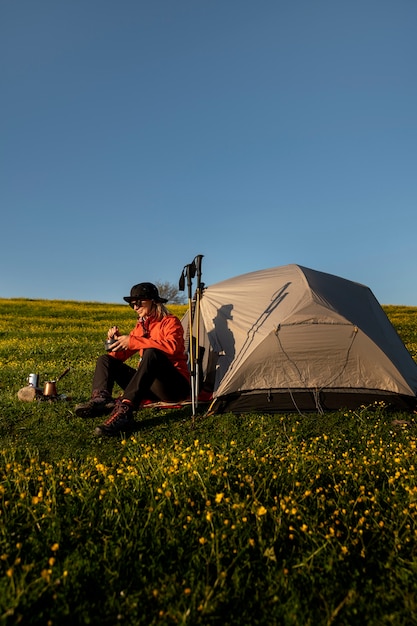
50, 388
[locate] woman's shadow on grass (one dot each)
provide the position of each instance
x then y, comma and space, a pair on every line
160, 417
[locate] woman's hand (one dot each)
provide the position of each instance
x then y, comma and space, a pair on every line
113, 332
121, 343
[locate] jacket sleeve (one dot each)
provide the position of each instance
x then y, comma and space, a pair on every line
166, 335
122, 355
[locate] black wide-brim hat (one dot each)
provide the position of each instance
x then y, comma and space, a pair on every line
144, 291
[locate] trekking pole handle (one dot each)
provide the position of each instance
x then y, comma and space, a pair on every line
197, 264
190, 270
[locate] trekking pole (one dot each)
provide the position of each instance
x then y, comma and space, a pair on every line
190, 269
197, 264
189, 273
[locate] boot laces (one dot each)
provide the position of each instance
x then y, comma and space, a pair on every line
100, 396
122, 409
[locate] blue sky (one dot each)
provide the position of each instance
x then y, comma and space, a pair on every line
135, 135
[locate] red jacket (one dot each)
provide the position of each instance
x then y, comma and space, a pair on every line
166, 335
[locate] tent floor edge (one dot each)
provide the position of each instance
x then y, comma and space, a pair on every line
308, 400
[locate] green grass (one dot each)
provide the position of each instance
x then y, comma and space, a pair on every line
252, 519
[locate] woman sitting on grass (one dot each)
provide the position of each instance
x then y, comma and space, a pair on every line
162, 373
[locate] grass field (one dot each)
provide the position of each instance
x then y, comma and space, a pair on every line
241, 519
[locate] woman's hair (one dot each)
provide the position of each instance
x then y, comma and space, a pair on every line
160, 311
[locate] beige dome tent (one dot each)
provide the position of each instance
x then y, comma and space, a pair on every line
292, 338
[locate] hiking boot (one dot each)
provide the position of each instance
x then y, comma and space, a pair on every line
101, 403
120, 421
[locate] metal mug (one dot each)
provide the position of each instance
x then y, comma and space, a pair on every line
33, 380
50, 388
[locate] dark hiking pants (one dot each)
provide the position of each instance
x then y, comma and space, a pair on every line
155, 379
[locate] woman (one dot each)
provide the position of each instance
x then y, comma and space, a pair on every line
162, 373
